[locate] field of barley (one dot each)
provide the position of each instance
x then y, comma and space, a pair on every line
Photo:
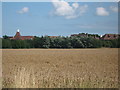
60, 68
0, 69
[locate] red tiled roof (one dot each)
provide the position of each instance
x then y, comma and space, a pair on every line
19, 37
110, 36
75, 35
17, 34
26, 37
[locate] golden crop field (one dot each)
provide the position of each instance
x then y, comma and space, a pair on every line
60, 68
0, 69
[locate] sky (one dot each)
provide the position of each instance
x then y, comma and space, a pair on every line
59, 18
0, 18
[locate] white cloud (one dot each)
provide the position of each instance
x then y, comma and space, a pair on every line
62, 8
83, 9
114, 8
23, 10
100, 11
75, 5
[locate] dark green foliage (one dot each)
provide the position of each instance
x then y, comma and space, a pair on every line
0, 43
111, 43
60, 42
20, 44
46, 42
6, 43
37, 42
114, 43
118, 42
76, 42
5, 37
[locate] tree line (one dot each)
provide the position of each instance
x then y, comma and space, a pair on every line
60, 42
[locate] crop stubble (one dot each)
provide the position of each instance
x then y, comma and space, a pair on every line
60, 68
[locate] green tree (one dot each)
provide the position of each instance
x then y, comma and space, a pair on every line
6, 43
5, 37
46, 42
76, 42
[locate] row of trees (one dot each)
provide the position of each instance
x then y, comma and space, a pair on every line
60, 42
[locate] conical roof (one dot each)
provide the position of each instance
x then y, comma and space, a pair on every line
17, 35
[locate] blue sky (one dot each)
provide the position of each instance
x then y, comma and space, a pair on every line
59, 18
0, 19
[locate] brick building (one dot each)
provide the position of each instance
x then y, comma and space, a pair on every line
110, 36
104, 37
19, 37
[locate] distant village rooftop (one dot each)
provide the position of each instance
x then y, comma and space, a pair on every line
96, 36
104, 37
19, 37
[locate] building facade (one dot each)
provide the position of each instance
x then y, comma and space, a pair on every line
110, 36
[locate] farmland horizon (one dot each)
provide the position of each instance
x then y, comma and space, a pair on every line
42, 45
60, 35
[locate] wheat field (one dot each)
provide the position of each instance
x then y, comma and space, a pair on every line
60, 68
